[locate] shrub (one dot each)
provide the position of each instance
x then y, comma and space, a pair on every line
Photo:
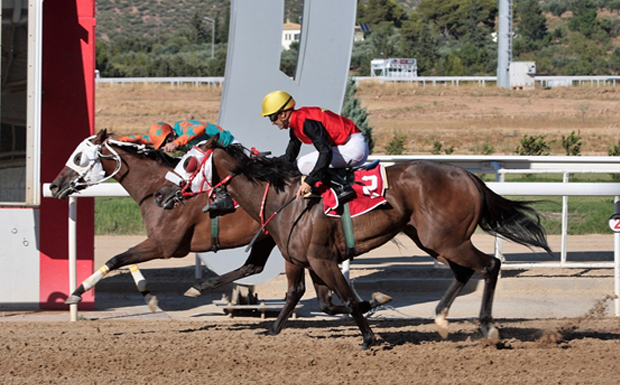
534, 145
572, 144
397, 145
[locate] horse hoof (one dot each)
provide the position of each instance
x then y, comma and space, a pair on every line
73, 300
368, 344
491, 334
379, 299
192, 292
442, 326
152, 302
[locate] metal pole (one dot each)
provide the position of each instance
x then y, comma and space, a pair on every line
617, 260
212, 35
73, 254
564, 222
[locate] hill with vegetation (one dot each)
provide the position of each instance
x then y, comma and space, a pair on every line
447, 37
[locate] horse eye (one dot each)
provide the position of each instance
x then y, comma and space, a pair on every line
77, 159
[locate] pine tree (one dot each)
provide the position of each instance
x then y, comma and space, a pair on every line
353, 110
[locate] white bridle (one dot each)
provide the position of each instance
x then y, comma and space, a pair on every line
86, 161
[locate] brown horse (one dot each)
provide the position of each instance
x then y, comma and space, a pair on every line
437, 205
170, 233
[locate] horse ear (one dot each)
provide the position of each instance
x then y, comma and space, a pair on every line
212, 142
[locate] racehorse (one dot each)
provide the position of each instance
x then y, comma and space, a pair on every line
170, 233
437, 205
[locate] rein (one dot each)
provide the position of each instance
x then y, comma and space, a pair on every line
262, 217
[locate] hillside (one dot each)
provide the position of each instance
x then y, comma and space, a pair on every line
158, 17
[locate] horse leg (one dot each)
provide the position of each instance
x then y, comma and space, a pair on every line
145, 251
253, 265
464, 261
490, 273
296, 289
330, 273
461, 277
324, 296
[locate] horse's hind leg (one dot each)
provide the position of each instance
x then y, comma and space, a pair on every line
461, 277
490, 273
296, 289
463, 261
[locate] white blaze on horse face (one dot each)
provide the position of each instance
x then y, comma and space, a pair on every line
85, 161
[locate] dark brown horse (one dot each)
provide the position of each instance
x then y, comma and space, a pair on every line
171, 233
437, 205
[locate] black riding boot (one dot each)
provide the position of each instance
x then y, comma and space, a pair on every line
342, 187
223, 203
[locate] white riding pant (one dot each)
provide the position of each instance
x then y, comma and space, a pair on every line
351, 154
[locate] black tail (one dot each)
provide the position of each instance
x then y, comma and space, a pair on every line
513, 220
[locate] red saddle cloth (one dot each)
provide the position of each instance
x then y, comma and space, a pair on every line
369, 187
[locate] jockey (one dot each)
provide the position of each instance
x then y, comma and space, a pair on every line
338, 141
182, 137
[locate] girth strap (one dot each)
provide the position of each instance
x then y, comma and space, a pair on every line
215, 233
347, 228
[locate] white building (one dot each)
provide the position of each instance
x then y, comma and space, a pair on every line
292, 32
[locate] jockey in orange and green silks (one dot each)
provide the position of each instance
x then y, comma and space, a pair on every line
181, 137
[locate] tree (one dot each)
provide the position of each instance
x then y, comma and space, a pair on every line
532, 22
353, 110
418, 42
382, 41
198, 31
459, 18
584, 17
381, 11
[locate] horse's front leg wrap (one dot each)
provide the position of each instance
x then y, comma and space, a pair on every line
95, 277
139, 279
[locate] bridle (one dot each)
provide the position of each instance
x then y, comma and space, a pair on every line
88, 165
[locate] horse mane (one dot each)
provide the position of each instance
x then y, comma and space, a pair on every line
150, 152
276, 171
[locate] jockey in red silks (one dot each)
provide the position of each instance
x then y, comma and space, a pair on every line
339, 143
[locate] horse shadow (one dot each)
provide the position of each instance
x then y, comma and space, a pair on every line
418, 331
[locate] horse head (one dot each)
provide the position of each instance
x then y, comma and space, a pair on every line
99, 158
82, 169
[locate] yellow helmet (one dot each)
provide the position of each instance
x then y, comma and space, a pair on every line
276, 102
158, 133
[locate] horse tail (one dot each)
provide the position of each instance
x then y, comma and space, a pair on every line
513, 220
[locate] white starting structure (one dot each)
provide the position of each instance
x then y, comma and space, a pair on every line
522, 75
394, 68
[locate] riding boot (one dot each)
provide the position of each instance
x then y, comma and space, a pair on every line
223, 203
344, 190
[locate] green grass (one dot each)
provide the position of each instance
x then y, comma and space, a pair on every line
118, 216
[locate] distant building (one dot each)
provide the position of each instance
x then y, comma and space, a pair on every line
394, 67
292, 32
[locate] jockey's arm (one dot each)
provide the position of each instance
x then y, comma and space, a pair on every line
140, 139
318, 134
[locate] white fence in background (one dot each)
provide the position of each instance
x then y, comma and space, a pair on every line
498, 165
542, 81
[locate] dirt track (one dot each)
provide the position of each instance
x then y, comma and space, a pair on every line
569, 351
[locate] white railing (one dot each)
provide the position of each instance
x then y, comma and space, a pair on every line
500, 165
543, 81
